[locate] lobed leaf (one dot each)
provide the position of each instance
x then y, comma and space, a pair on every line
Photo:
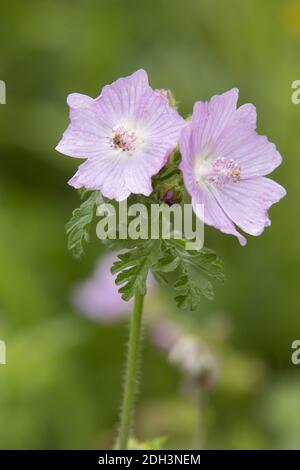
194, 269
133, 268
78, 227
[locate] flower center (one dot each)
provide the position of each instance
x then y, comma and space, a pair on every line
123, 139
223, 171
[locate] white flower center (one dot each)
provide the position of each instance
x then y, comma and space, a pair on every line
122, 139
218, 172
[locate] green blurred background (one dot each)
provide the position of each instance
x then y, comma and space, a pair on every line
61, 385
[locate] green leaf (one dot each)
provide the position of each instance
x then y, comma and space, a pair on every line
166, 264
78, 227
133, 268
192, 286
195, 271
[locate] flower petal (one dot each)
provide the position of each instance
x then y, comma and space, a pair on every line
138, 176
159, 118
211, 213
78, 100
85, 136
255, 155
123, 100
162, 125
217, 113
247, 202
188, 144
106, 174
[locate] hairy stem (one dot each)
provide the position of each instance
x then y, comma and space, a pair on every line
131, 372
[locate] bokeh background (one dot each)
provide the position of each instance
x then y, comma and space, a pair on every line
61, 386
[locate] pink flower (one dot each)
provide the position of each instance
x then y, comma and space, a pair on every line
224, 163
126, 135
98, 297
164, 334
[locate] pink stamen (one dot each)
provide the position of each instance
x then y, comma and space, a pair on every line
122, 139
223, 171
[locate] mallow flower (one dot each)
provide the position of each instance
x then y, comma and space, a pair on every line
224, 163
126, 135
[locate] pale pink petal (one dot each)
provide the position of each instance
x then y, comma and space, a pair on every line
218, 113
255, 155
106, 174
85, 136
246, 116
160, 119
213, 214
123, 99
137, 177
246, 203
78, 100
80, 144
188, 149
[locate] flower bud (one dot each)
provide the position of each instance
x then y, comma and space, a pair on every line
171, 196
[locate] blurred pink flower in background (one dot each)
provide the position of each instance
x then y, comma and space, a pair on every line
98, 296
164, 334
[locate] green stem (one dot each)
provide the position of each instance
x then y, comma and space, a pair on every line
131, 372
